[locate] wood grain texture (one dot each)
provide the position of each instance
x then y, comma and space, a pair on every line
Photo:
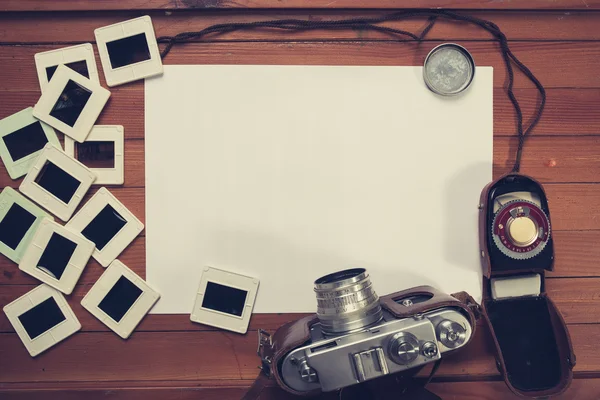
91, 5
206, 356
577, 255
569, 112
552, 159
573, 63
574, 206
575, 298
549, 159
580, 389
170, 357
132, 197
133, 256
79, 27
151, 323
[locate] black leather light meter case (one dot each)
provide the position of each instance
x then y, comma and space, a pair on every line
534, 351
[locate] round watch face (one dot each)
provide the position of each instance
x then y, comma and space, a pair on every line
449, 69
520, 229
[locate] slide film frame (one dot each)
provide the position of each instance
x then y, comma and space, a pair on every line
75, 265
51, 336
14, 123
123, 238
219, 319
66, 55
43, 197
8, 197
88, 115
135, 71
105, 133
135, 313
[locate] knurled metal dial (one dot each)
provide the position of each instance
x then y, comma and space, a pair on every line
520, 229
404, 348
451, 334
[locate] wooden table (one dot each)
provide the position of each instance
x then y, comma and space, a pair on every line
168, 357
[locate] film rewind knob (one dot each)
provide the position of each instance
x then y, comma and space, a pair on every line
404, 348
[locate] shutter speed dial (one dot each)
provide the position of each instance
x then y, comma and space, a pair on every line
451, 334
404, 348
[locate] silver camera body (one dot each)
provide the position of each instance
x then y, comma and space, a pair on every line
356, 341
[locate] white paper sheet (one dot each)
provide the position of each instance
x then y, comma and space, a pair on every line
287, 173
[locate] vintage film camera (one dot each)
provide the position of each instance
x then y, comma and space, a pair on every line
356, 336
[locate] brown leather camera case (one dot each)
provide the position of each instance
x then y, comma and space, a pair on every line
533, 348
274, 348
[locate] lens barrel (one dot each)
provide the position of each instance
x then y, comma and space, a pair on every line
346, 301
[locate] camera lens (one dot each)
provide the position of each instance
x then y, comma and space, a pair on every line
346, 301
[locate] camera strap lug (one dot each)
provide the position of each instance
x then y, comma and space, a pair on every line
471, 304
475, 308
264, 341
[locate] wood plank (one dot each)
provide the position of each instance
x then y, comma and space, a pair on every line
574, 206
132, 197
125, 107
204, 363
82, 5
573, 63
549, 159
569, 112
197, 356
181, 356
576, 299
79, 27
152, 323
141, 393
149, 356
134, 162
134, 165
580, 389
134, 257
577, 254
